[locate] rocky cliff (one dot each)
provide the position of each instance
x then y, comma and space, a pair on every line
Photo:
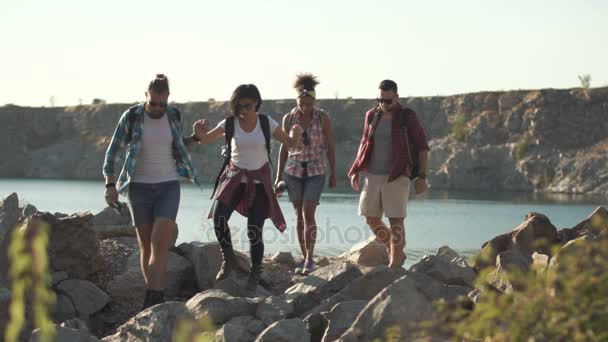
540, 140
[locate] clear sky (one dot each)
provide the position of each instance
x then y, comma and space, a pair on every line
77, 50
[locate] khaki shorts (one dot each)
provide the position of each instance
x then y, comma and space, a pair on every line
379, 196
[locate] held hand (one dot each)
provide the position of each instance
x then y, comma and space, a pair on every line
201, 127
355, 181
420, 185
332, 181
111, 195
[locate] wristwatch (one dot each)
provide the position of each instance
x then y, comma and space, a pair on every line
110, 185
422, 175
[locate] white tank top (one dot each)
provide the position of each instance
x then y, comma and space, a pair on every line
155, 162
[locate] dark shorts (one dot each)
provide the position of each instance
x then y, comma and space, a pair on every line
305, 188
152, 201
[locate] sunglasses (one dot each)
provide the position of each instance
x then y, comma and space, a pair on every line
157, 104
246, 107
384, 101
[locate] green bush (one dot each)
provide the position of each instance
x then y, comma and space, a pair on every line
459, 130
566, 302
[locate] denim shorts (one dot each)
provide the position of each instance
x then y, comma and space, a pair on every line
305, 188
151, 201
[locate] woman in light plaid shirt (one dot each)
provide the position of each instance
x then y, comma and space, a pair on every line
305, 170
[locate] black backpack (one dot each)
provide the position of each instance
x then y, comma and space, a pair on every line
411, 149
227, 148
132, 117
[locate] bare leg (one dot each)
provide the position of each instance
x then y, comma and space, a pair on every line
383, 234
397, 242
163, 232
311, 229
144, 239
297, 206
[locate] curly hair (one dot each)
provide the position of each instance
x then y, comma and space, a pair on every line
305, 81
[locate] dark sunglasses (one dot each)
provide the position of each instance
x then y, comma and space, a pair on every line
385, 101
246, 107
157, 104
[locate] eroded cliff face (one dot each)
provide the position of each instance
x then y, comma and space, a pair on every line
540, 140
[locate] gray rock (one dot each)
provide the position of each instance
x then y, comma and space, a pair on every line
509, 261
220, 307
64, 308
367, 253
63, 334
129, 285
239, 329
289, 330
236, 286
322, 262
5, 300
448, 267
157, 323
537, 233
321, 284
273, 309
363, 288
111, 222
86, 297
206, 258
9, 216
316, 324
58, 277
404, 304
28, 210
341, 317
284, 258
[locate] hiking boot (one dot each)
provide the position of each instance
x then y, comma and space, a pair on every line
254, 278
229, 264
308, 268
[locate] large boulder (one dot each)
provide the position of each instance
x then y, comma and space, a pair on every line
64, 334
113, 222
220, 307
130, 285
490, 250
367, 253
9, 214
73, 246
273, 309
284, 258
316, 324
288, 330
363, 288
321, 284
236, 286
239, 329
593, 225
157, 323
400, 308
86, 298
536, 233
448, 267
206, 258
341, 317
507, 263
5, 300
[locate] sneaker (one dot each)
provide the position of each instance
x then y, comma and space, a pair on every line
300, 268
309, 267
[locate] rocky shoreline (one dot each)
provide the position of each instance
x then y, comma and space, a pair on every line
94, 261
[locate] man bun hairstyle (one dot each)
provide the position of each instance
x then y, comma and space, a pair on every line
160, 84
388, 85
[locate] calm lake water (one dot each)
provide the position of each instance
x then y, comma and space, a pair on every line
461, 220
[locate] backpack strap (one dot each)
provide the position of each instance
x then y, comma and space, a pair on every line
410, 149
131, 116
226, 150
373, 119
265, 124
